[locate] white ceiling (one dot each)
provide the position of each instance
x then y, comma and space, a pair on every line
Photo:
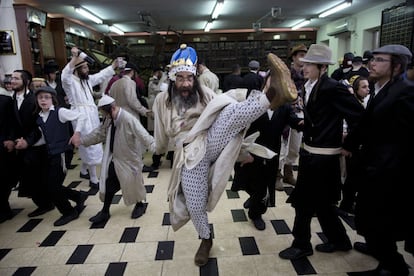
191, 15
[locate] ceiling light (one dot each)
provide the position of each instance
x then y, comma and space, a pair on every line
208, 26
337, 8
88, 15
217, 9
116, 30
301, 24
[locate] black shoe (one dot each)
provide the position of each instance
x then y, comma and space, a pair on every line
139, 210
6, 216
293, 253
379, 272
84, 176
40, 211
246, 204
94, 185
147, 168
362, 247
100, 217
259, 224
67, 218
80, 204
331, 247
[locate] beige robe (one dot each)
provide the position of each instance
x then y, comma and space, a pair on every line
168, 124
125, 95
130, 142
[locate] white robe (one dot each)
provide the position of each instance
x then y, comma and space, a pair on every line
81, 100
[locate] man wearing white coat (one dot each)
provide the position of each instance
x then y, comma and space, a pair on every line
78, 85
125, 142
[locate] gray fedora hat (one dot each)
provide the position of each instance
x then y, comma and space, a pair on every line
318, 54
394, 49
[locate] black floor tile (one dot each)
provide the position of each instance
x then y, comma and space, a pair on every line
4, 252
129, 235
93, 191
166, 219
149, 188
16, 211
322, 236
248, 246
71, 167
116, 199
280, 227
116, 269
30, 225
302, 266
210, 269
53, 238
74, 184
153, 174
80, 254
24, 271
238, 215
288, 189
231, 194
349, 219
99, 225
165, 250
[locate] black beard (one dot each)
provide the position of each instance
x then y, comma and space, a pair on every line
19, 88
184, 103
83, 76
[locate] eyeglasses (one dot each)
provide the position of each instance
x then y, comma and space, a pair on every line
44, 97
183, 79
379, 59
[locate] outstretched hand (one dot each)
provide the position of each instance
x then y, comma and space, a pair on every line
75, 139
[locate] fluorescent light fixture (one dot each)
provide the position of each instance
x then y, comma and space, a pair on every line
217, 9
208, 26
335, 9
88, 15
301, 24
116, 30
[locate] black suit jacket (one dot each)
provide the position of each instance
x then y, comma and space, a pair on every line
329, 103
24, 124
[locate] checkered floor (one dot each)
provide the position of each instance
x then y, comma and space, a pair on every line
149, 246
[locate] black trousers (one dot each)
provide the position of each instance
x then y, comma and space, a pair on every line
32, 175
8, 180
60, 194
112, 186
317, 191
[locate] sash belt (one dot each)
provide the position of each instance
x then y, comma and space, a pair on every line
322, 151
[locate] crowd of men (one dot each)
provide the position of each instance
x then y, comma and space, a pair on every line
205, 129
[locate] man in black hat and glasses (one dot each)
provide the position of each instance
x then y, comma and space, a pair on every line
385, 136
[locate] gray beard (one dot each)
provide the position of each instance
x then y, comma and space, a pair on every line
183, 104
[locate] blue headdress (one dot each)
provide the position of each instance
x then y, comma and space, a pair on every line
184, 59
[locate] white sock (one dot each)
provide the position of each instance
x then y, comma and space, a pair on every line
92, 174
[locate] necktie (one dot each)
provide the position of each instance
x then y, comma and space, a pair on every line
111, 141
